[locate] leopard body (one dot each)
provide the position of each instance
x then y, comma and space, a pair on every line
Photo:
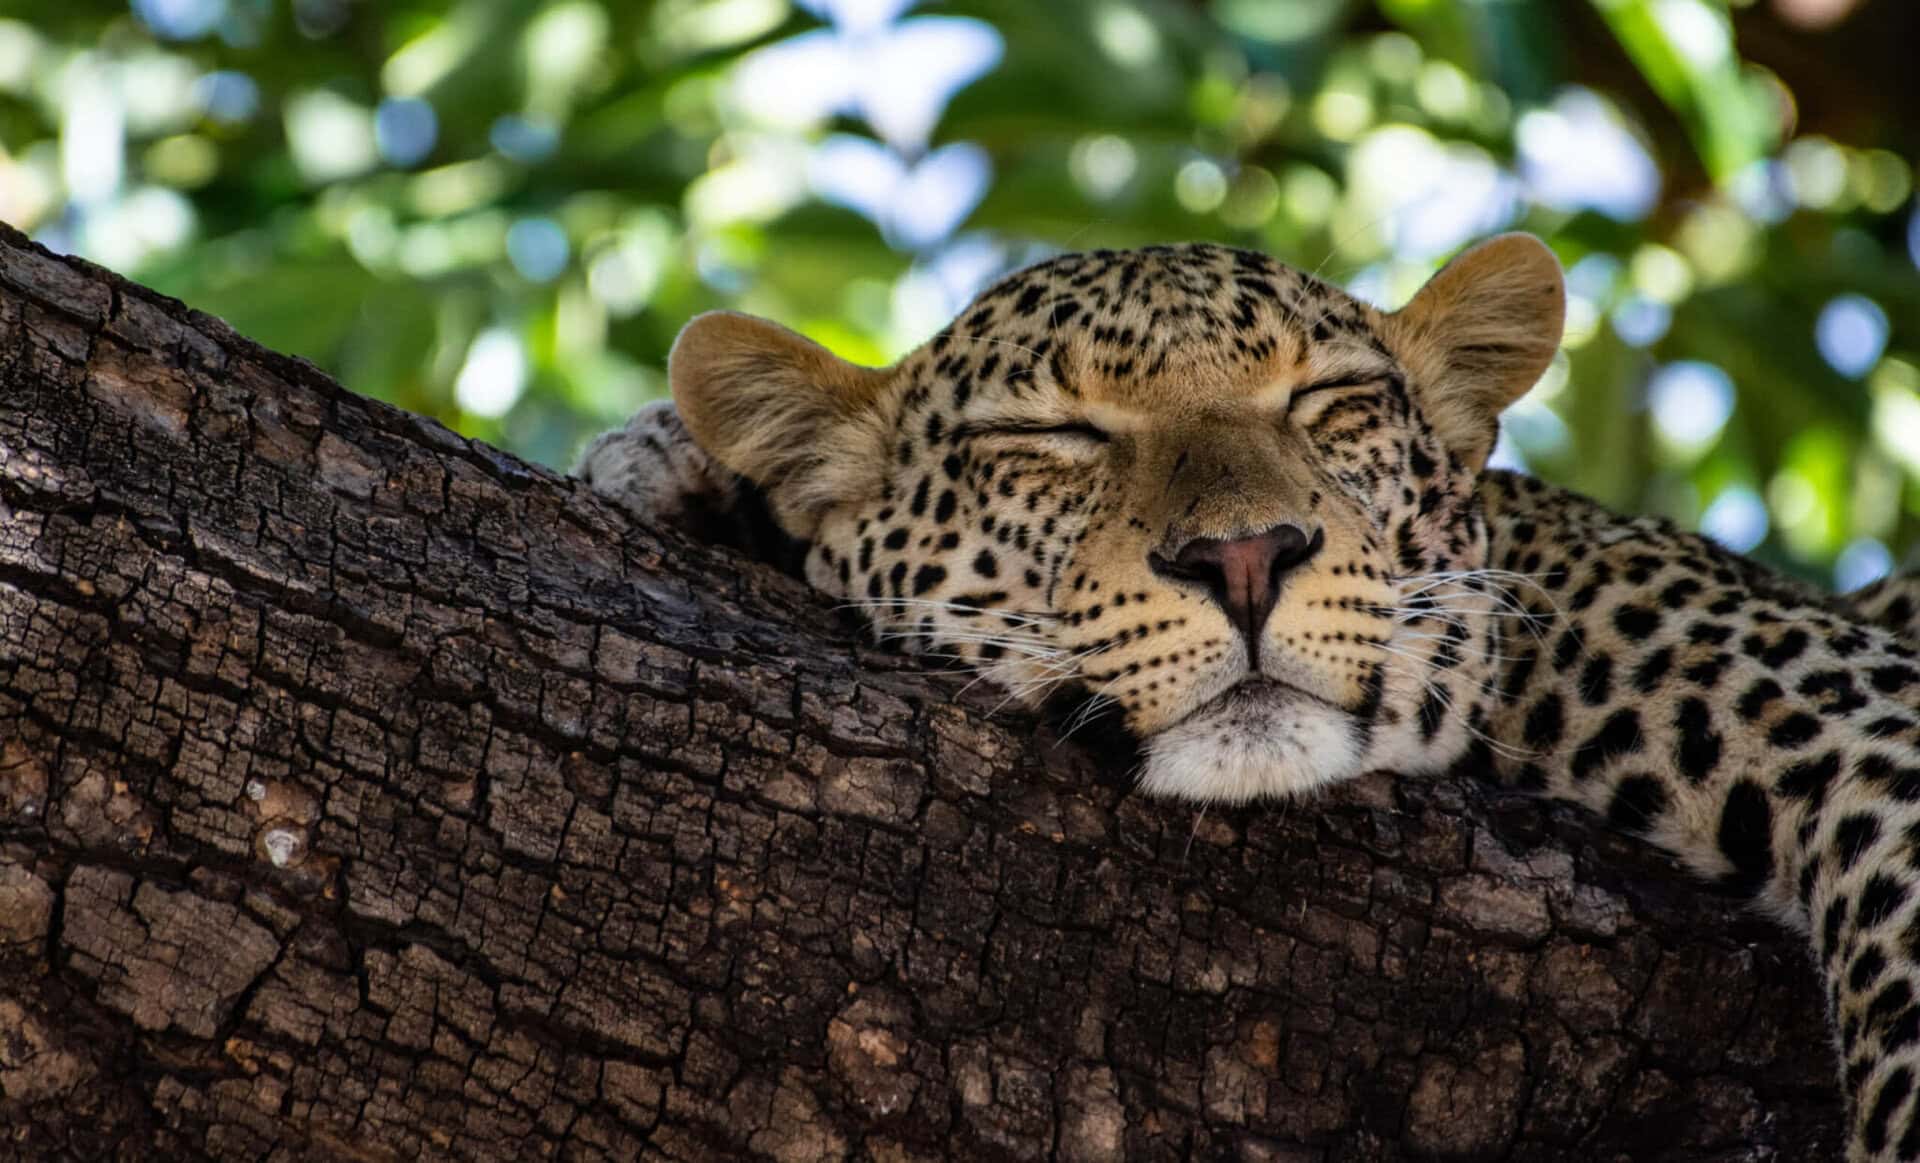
1249, 515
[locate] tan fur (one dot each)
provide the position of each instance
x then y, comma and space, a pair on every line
1479, 335
780, 410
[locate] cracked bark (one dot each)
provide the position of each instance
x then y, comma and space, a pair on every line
368, 794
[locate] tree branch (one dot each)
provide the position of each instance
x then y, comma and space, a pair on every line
367, 793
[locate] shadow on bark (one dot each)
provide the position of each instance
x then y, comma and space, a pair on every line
366, 793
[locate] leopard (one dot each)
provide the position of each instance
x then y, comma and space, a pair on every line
1251, 517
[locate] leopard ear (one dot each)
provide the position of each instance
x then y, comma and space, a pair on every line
782, 411
1478, 335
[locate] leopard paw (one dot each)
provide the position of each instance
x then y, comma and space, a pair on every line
652, 468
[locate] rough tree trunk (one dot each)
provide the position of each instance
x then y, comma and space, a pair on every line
368, 794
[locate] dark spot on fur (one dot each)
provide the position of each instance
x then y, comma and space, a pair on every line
1746, 837
1638, 801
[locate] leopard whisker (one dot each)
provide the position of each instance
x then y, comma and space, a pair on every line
1446, 698
1486, 689
1033, 647
1001, 342
1034, 617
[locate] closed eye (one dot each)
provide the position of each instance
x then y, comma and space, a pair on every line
1077, 430
1336, 383
1310, 403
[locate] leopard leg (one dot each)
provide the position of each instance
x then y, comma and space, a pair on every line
652, 468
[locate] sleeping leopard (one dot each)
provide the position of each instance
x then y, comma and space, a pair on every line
1250, 517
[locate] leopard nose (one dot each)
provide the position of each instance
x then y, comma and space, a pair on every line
1242, 574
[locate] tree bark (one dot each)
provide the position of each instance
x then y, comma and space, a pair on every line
366, 793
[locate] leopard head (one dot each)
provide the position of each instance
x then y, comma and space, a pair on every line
1190, 483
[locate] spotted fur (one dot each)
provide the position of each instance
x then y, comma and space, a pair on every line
1250, 515
1893, 602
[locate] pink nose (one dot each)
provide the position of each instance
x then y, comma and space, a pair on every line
1242, 574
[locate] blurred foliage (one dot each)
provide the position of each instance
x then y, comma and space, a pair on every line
499, 212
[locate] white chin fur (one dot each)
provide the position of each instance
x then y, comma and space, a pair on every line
1252, 744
